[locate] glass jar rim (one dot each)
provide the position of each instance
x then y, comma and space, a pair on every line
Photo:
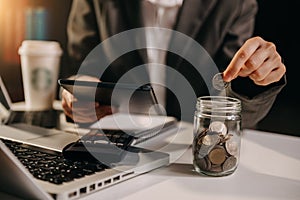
218, 104
219, 98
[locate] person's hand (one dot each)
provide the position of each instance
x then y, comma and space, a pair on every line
83, 112
258, 60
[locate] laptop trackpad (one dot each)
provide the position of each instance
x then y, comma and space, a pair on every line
20, 132
42, 137
54, 142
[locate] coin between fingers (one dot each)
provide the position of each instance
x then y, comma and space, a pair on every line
218, 82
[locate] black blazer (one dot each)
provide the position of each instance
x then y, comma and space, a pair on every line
219, 26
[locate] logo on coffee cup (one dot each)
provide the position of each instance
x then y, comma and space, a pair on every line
41, 79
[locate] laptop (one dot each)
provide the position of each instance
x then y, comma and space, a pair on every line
47, 118
33, 164
79, 178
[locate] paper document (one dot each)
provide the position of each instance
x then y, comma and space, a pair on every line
133, 122
143, 127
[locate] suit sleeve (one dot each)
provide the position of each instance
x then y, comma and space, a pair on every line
256, 100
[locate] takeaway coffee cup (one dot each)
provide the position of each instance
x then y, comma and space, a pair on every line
40, 63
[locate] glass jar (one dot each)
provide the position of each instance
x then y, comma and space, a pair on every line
217, 135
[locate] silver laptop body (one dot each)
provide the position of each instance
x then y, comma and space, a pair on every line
52, 139
17, 180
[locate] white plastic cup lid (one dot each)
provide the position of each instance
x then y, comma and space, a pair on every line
39, 48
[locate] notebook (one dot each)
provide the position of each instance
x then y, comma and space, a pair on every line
47, 118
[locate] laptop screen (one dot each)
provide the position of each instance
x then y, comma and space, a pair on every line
4, 97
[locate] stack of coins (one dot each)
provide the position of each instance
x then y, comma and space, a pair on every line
214, 150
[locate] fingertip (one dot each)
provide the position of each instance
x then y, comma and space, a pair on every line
227, 77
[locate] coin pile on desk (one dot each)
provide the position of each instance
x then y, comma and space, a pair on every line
215, 150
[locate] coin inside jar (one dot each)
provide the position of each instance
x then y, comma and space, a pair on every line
232, 147
218, 82
203, 151
203, 163
219, 127
211, 139
229, 163
217, 156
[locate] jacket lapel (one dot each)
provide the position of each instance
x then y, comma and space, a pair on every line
130, 15
192, 15
190, 18
133, 9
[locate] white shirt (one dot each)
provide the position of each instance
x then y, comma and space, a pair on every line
161, 14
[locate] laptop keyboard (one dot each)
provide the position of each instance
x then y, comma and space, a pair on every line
46, 119
107, 146
51, 166
55, 168
119, 138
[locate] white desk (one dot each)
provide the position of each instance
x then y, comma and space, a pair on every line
269, 169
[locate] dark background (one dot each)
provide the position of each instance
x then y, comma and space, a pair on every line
55, 24
276, 22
